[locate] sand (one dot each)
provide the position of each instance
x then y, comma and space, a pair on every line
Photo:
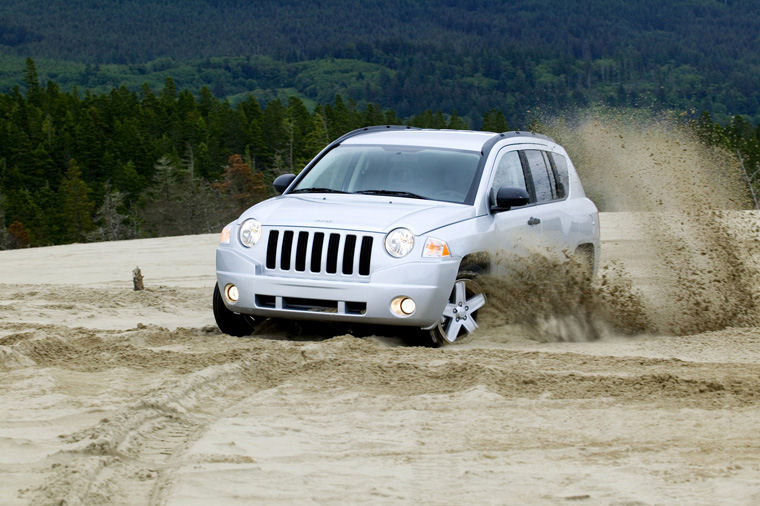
116, 396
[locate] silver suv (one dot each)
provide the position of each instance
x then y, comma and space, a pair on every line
389, 225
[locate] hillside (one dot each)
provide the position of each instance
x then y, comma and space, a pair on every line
471, 56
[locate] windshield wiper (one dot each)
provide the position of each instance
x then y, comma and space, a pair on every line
316, 190
395, 193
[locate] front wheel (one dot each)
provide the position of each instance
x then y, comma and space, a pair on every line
460, 315
229, 322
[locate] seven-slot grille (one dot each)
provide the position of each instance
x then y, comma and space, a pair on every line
319, 252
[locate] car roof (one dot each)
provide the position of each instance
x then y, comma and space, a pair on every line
468, 140
452, 139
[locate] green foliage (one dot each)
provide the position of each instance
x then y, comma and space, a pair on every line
522, 58
178, 202
124, 164
76, 206
494, 121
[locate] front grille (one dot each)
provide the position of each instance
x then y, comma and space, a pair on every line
319, 252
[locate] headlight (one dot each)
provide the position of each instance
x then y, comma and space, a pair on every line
435, 248
250, 232
399, 242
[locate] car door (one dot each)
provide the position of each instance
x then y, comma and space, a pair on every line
551, 203
516, 231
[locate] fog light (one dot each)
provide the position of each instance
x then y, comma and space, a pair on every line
403, 306
408, 306
232, 294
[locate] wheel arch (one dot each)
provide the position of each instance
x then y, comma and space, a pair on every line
477, 262
589, 253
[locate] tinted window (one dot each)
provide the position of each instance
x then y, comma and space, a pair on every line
539, 171
560, 165
509, 172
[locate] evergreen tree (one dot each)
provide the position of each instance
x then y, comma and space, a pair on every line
317, 138
494, 121
76, 206
162, 202
32, 82
456, 123
178, 203
373, 115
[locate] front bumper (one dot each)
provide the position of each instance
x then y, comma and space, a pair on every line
427, 281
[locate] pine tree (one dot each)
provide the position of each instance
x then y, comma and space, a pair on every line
373, 115
300, 124
76, 205
161, 202
317, 138
494, 121
178, 203
456, 123
32, 82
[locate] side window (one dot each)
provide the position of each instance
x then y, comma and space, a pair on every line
560, 166
509, 172
550, 171
540, 172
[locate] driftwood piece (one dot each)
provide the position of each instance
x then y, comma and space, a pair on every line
137, 279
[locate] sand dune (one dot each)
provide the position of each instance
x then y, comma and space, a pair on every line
115, 396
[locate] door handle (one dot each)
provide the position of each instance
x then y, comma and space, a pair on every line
534, 221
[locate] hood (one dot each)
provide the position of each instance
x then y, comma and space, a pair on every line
369, 213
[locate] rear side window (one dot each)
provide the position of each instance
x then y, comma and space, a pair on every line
560, 167
542, 183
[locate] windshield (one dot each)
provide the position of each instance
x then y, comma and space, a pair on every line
404, 171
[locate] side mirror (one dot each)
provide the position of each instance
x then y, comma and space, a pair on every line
508, 197
282, 182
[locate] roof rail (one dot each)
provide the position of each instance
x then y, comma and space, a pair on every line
518, 133
376, 128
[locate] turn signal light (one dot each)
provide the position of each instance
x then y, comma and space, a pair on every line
435, 248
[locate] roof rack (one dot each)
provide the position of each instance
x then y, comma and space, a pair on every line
518, 133
376, 128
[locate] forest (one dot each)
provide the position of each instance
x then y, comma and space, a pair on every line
523, 57
125, 164
78, 167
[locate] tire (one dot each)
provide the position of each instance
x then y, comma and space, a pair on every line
231, 323
460, 315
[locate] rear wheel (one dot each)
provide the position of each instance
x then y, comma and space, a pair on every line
460, 314
229, 322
